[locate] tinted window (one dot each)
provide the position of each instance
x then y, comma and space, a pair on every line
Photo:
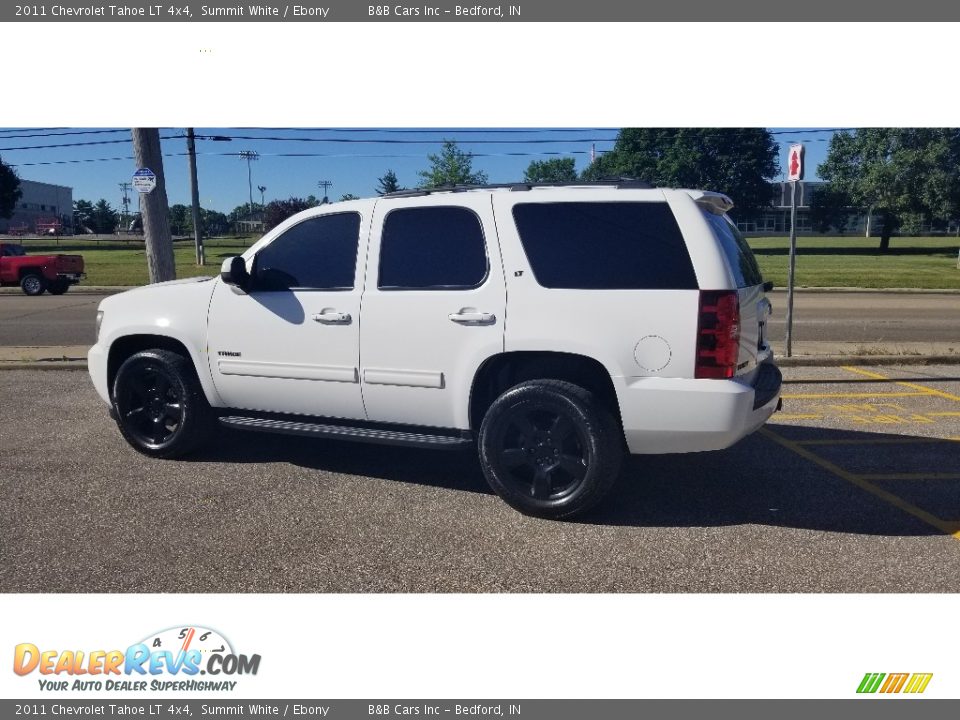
604, 246
13, 250
432, 248
319, 254
740, 258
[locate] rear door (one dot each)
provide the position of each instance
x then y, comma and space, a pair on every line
433, 307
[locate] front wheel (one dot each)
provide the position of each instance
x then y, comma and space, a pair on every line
159, 405
33, 284
549, 448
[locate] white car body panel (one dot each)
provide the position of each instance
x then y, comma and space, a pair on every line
417, 364
176, 310
270, 352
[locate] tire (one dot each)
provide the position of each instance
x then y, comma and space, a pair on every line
159, 404
550, 449
58, 287
33, 284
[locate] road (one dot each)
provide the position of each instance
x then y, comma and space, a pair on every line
855, 487
842, 317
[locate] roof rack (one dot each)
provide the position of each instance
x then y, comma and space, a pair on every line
620, 183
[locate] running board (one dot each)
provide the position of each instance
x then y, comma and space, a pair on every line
344, 432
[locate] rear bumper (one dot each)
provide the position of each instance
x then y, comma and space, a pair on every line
71, 277
674, 415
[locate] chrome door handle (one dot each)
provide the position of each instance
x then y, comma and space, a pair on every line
471, 317
332, 317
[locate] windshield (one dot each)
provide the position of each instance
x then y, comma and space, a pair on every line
740, 258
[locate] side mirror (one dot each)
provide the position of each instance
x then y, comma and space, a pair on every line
234, 272
768, 286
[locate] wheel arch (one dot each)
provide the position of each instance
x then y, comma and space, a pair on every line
125, 346
504, 370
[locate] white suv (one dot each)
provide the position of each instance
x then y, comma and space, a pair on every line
556, 327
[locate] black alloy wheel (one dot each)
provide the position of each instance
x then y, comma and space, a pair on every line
550, 448
159, 404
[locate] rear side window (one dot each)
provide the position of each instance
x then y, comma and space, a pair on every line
605, 246
740, 258
432, 248
316, 254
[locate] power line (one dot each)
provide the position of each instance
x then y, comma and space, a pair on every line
82, 144
32, 134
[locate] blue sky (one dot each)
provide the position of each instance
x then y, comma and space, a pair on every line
94, 161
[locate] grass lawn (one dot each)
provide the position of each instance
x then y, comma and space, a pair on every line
821, 261
911, 262
122, 262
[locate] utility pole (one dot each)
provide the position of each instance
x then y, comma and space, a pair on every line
250, 156
125, 188
156, 211
195, 196
325, 185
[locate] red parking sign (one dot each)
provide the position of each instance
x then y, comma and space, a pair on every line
795, 163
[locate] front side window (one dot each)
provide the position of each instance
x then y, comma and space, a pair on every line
432, 248
317, 254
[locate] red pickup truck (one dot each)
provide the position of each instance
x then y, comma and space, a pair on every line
36, 274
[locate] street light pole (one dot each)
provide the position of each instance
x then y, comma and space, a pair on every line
250, 156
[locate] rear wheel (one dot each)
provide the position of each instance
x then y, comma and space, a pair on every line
59, 287
550, 448
33, 284
160, 407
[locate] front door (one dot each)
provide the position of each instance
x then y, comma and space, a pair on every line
291, 343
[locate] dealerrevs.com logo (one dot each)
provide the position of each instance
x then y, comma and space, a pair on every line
172, 659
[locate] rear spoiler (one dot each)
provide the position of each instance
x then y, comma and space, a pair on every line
714, 202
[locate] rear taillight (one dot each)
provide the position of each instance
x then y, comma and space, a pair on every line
718, 334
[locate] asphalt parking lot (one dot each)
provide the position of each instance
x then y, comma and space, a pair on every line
854, 487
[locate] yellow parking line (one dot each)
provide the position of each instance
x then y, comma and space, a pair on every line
943, 414
912, 476
916, 386
888, 497
878, 441
817, 396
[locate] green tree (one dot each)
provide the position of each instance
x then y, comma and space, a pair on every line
103, 219
279, 210
829, 210
737, 161
388, 183
244, 212
214, 223
349, 196
10, 191
902, 175
552, 170
82, 215
451, 166
181, 219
